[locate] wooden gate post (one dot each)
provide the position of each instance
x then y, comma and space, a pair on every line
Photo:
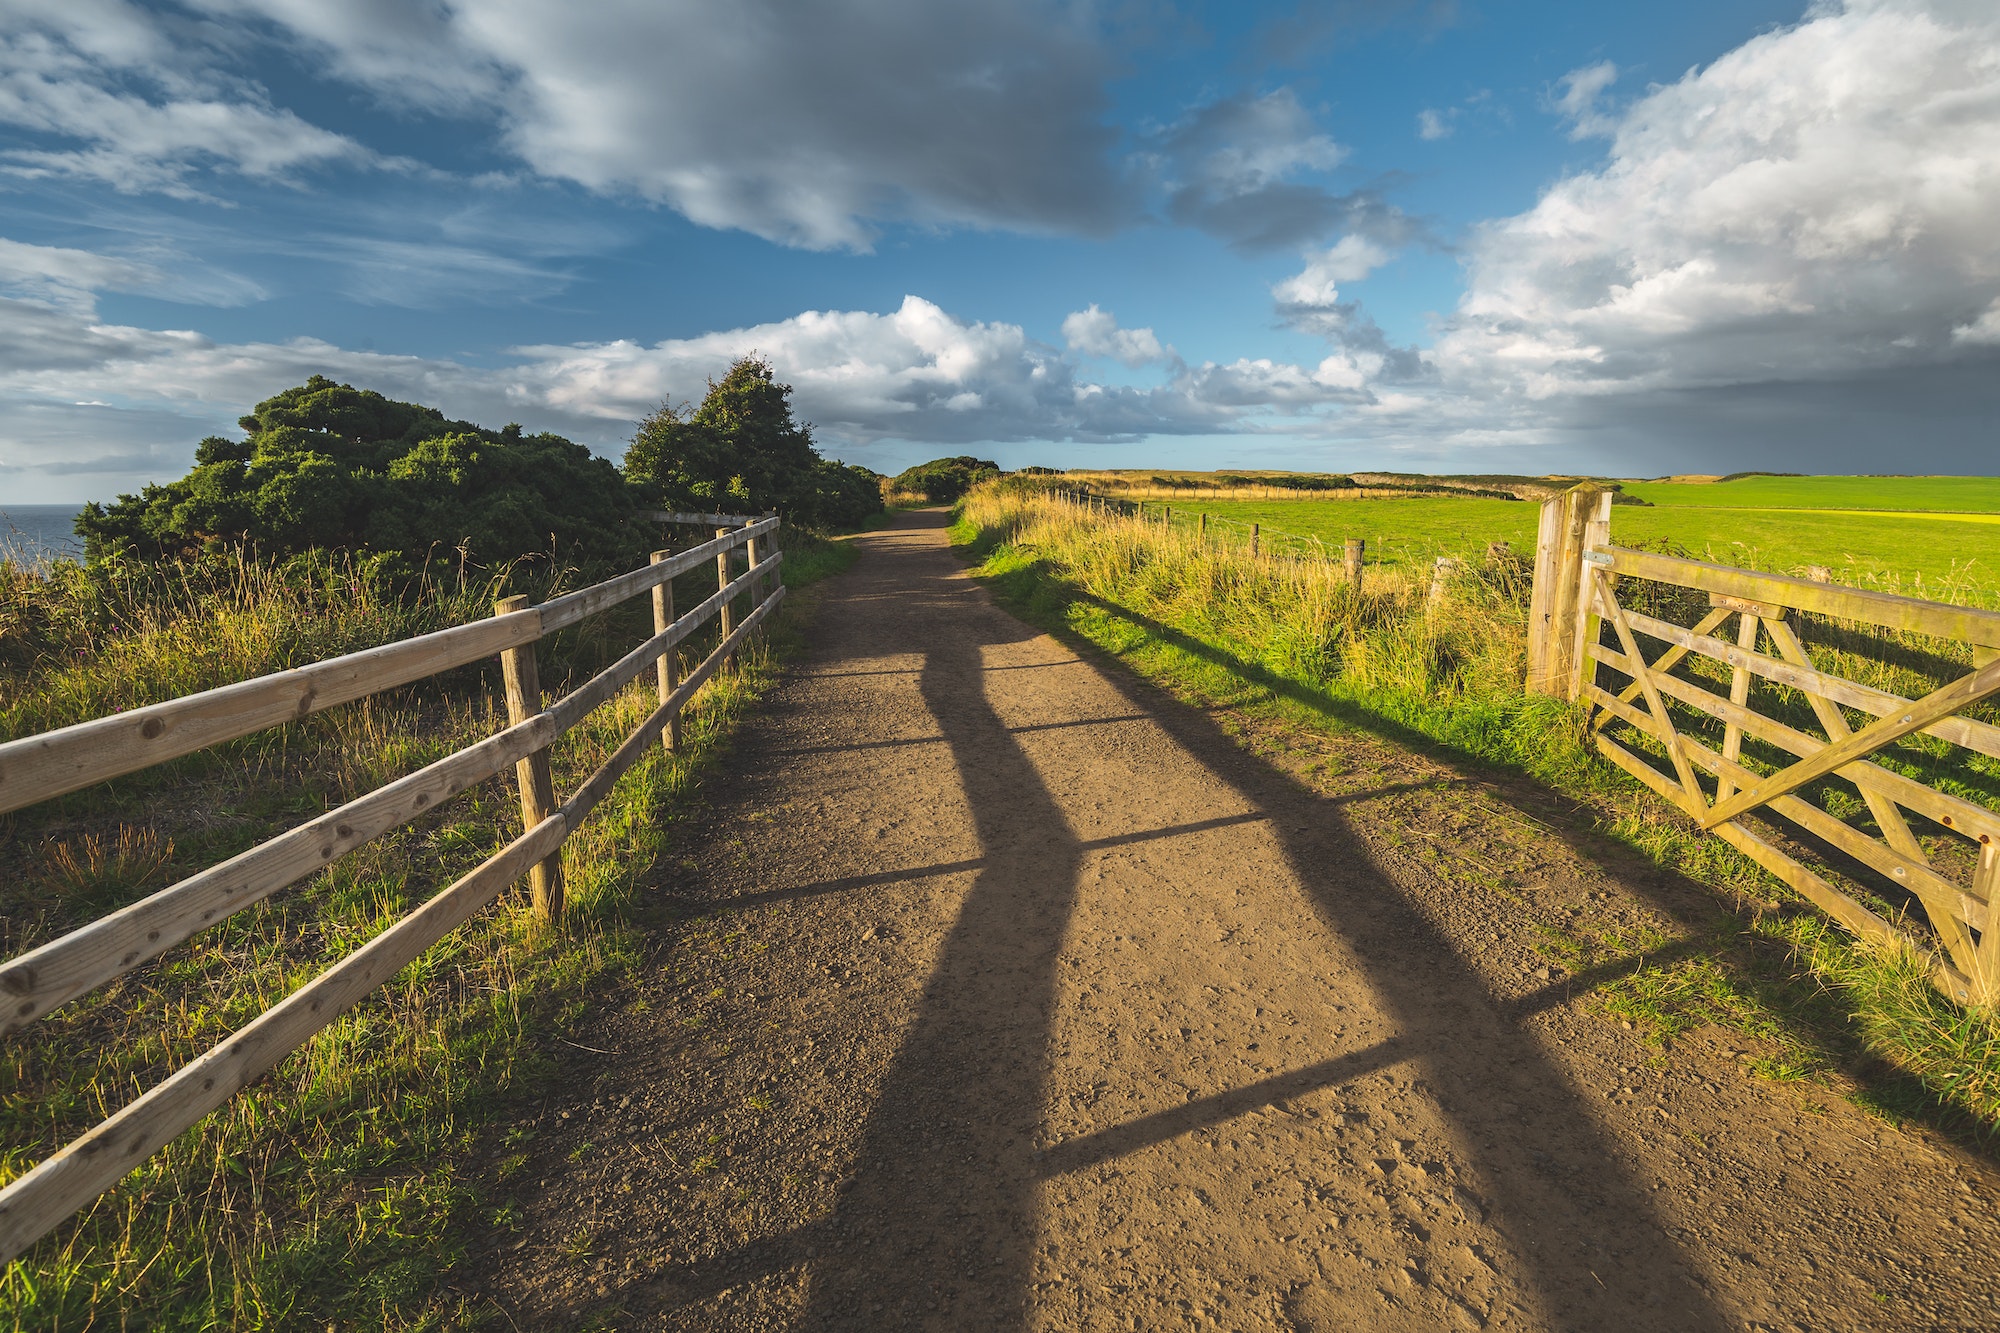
537, 783
668, 667
727, 617
1558, 616
1354, 556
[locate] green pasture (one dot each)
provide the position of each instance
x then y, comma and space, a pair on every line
1965, 494
1944, 556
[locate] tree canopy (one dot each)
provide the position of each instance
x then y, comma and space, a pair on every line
942, 480
741, 452
328, 465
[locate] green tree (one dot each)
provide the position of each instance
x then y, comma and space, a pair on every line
942, 480
326, 465
742, 452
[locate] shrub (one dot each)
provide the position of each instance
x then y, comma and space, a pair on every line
944, 480
330, 466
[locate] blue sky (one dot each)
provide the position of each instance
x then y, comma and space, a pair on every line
1464, 236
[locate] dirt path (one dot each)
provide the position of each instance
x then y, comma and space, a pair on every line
1008, 993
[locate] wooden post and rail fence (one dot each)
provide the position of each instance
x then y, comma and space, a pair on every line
37, 768
1936, 847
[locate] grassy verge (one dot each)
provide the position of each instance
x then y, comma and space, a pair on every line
1287, 640
338, 1191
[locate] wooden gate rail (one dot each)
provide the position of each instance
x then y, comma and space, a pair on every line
72, 965
1576, 550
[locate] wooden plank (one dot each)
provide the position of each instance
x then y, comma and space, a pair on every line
1985, 884
70, 1178
1895, 830
703, 520
1940, 896
1542, 598
1809, 885
36, 768
1693, 799
532, 774
37, 982
566, 610
1977, 736
1938, 703
1761, 610
600, 783
1964, 624
1671, 658
1595, 530
1739, 694
663, 617
1959, 815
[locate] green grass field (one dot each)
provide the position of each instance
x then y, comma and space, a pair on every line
1891, 533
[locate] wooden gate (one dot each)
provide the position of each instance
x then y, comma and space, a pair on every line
1731, 716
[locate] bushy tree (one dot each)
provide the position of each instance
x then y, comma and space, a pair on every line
327, 465
741, 452
942, 480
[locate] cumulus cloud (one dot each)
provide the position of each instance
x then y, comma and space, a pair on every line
1817, 203
1095, 332
1433, 125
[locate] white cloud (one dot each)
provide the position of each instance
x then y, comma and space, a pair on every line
115, 99
1433, 125
1095, 332
804, 124
1350, 259
1817, 203
1576, 99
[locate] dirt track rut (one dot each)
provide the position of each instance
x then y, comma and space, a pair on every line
1005, 992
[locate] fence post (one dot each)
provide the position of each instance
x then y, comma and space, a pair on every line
537, 783
727, 616
668, 667
1357, 550
1570, 522
1203, 533
1441, 573
1255, 531
1167, 516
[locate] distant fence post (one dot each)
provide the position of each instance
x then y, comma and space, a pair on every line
1202, 528
1558, 617
1441, 573
537, 783
668, 665
1355, 554
1256, 531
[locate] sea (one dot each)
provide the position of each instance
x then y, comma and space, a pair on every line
39, 532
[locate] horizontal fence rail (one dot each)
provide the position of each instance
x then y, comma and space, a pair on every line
41, 767
1749, 723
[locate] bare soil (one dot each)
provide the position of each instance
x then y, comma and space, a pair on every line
1001, 991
